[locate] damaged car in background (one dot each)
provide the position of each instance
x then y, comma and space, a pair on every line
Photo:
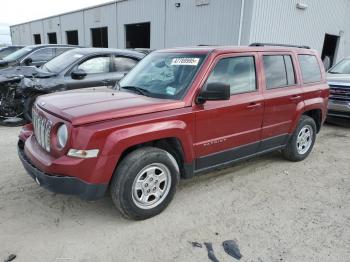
7, 50
77, 68
33, 55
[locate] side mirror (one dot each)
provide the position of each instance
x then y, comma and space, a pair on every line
28, 61
78, 74
214, 92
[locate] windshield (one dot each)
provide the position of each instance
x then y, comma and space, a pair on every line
19, 53
61, 62
163, 75
343, 67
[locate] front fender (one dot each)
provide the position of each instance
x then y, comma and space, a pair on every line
120, 140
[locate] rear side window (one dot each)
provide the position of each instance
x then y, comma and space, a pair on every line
123, 64
238, 72
310, 68
279, 71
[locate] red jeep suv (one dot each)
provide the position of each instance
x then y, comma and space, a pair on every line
177, 113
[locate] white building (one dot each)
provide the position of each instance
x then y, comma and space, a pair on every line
322, 24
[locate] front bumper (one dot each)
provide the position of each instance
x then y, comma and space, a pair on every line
338, 109
61, 184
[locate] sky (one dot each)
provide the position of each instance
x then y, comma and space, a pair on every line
19, 11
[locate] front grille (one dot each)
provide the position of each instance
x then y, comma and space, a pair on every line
42, 130
339, 93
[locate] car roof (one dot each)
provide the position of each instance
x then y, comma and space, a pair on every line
50, 45
93, 50
206, 49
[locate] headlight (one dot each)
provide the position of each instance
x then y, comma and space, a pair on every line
62, 136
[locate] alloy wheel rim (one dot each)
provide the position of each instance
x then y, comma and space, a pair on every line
151, 186
304, 139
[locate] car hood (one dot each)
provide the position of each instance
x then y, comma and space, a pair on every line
338, 79
98, 104
26, 71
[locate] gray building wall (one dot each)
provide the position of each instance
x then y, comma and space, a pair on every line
73, 21
216, 23
203, 22
279, 21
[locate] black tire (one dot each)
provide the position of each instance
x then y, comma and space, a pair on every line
291, 150
129, 170
28, 105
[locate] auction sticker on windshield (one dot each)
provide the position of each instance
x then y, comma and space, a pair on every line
185, 61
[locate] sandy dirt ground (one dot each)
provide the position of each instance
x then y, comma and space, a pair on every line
274, 209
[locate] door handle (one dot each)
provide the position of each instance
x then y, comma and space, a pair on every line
295, 98
253, 106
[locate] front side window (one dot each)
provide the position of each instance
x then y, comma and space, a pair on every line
96, 65
310, 68
19, 53
123, 64
238, 72
279, 71
61, 62
44, 54
343, 67
163, 75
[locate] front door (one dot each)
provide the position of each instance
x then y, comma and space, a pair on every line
98, 70
230, 130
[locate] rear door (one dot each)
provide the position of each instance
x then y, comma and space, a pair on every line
283, 97
231, 129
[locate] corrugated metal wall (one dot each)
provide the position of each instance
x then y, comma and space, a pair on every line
193, 22
202, 22
281, 22
36, 27
169, 23
73, 21
52, 25
103, 16
140, 11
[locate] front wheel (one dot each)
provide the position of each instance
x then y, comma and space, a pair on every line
144, 183
302, 141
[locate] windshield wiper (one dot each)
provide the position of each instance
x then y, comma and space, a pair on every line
139, 90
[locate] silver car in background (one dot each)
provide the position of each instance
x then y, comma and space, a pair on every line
339, 82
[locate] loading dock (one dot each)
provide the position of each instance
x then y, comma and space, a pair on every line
52, 37
99, 37
138, 35
37, 39
72, 37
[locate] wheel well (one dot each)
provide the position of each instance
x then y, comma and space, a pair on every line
172, 145
316, 115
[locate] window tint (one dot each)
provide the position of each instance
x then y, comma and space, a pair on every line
124, 64
310, 69
279, 71
96, 65
61, 50
44, 54
238, 72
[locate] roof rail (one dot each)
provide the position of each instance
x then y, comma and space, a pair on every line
271, 44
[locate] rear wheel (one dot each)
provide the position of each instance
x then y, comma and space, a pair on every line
302, 140
145, 183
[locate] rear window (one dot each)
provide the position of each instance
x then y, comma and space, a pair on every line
279, 71
310, 68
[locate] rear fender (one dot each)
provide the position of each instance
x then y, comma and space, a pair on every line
317, 103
